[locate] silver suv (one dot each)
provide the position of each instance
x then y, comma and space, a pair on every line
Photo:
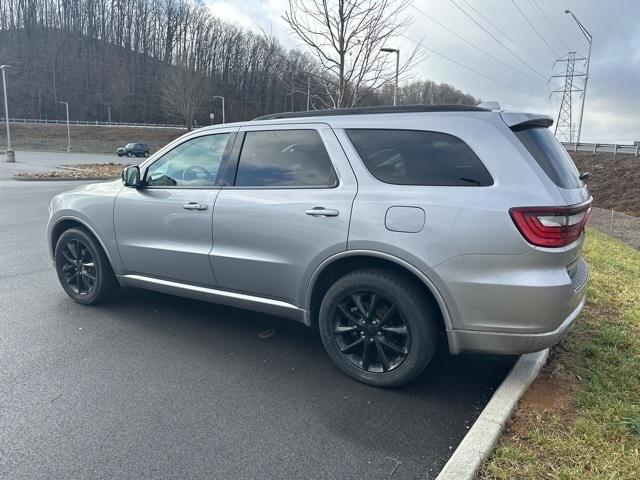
385, 228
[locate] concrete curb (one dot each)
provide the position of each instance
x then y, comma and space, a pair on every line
28, 178
479, 441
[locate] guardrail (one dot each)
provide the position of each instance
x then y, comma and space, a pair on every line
614, 148
92, 123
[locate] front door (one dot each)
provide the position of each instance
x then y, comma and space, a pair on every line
286, 209
164, 229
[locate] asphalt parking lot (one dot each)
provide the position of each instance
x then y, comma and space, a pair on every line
153, 386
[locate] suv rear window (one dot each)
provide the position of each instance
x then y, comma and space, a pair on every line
551, 156
415, 157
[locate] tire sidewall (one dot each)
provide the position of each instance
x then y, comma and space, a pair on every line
102, 268
419, 321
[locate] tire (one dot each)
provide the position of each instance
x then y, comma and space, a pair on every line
119, 154
409, 327
129, 154
146, 154
78, 259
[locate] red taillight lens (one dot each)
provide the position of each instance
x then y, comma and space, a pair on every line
551, 226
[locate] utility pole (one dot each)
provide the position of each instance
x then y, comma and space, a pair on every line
292, 90
395, 86
68, 129
9, 155
589, 38
109, 114
308, 91
222, 98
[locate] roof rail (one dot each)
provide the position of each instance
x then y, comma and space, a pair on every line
374, 110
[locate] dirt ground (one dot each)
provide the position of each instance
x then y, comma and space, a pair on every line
614, 181
85, 138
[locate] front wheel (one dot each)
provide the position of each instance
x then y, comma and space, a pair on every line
378, 327
82, 267
129, 154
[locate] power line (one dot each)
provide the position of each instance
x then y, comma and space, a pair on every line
472, 44
498, 40
541, 61
534, 28
537, 6
471, 69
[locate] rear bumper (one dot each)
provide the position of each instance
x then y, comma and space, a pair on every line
461, 341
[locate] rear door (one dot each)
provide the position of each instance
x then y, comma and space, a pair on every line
285, 208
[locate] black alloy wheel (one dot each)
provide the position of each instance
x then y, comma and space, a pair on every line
83, 268
371, 332
78, 267
379, 326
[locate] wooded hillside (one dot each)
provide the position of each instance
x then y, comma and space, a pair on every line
123, 55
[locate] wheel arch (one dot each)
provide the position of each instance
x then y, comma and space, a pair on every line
63, 224
345, 262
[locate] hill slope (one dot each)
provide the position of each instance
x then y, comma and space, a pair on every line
614, 181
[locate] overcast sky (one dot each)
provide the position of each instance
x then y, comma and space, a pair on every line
612, 111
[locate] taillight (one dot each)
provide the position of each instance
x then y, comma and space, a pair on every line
551, 226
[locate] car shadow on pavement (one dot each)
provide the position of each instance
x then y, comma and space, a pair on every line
288, 378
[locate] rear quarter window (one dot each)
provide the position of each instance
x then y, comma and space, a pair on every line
552, 157
416, 157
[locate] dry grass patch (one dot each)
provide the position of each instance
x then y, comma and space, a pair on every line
86, 138
80, 171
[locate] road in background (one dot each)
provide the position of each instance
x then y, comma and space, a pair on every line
154, 386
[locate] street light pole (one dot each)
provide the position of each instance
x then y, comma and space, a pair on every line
395, 87
589, 38
218, 96
8, 154
68, 129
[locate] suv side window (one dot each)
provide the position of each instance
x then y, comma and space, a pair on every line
284, 158
194, 163
416, 157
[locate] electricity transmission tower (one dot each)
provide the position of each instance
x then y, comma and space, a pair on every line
564, 125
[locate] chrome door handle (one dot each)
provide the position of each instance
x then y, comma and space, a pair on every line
195, 206
322, 212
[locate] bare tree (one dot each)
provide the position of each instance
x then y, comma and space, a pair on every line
184, 93
108, 54
345, 36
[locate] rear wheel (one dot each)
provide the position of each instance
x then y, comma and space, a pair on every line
83, 269
378, 327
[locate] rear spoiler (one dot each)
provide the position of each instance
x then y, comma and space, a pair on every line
521, 121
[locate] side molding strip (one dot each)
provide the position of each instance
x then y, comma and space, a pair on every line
240, 300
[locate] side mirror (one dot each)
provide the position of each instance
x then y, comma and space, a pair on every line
131, 176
